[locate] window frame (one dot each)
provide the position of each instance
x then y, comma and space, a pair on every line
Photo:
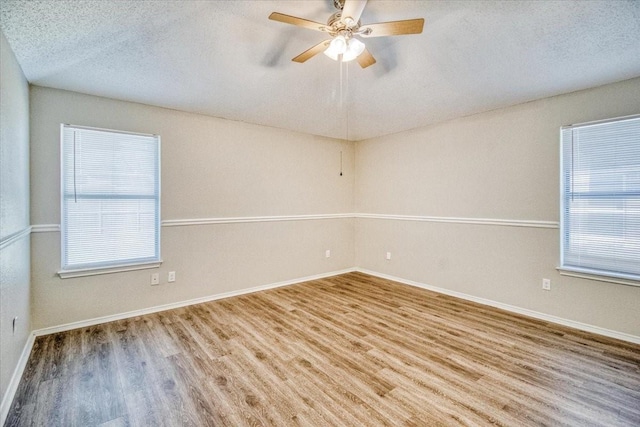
581, 271
102, 268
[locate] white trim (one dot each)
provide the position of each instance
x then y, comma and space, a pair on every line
83, 272
42, 228
586, 274
45, 228
12, 238
170, 306
125, 132
512, 308
238, 220
10, 393
600, 122
456, 220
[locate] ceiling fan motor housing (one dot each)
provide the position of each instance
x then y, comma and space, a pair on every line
334, 20
339, 27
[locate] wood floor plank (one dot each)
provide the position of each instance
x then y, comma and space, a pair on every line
352, 350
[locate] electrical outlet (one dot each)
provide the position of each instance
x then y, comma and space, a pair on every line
388, 255
546, 284
171, 277
155, 279
327, 253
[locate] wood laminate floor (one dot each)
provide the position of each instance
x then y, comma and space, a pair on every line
351, 350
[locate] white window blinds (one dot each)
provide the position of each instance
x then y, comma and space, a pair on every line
110, 198
600, 218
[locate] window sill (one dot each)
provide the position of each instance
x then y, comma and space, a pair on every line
83, 272
592, 275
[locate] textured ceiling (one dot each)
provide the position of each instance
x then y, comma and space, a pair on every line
226, 59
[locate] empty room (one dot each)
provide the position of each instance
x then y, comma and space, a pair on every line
319, 213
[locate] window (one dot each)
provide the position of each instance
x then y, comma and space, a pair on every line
110, 190
600, 212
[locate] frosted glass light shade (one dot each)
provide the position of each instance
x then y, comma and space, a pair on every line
338, 46
354, 49
349, 49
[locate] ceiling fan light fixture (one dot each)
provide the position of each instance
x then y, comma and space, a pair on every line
338, 46
354, 48
349, 49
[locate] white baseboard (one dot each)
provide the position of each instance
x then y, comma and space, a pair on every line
7, 399
512, 308
164, 307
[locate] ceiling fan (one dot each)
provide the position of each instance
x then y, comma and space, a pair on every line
344, 27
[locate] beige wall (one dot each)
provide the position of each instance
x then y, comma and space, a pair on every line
502, 164
14, 213
211, 168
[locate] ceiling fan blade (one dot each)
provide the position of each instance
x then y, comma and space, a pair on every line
310, 53
352, 9
293, 20
394, 28
365, 59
